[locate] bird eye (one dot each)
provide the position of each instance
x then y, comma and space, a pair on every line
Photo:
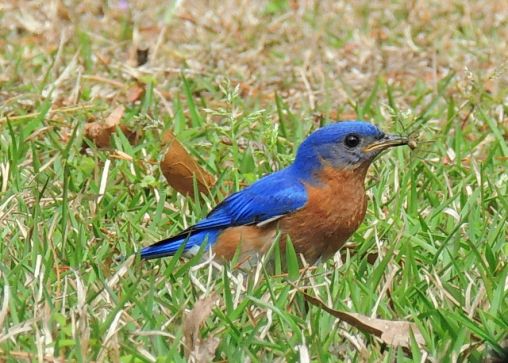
352, 140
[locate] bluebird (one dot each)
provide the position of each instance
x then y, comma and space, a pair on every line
318, 201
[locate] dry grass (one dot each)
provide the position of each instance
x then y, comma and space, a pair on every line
316, 54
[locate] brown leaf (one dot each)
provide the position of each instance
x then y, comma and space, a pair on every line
197, 349
96, 132
100, 131
114, 117
180, 168
205, 351
132, 135
396, 333
62, 11
135, 93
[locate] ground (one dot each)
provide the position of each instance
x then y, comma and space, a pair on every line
240, 84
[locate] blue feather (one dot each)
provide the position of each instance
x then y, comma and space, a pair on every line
274, 195
326, 143
170, 245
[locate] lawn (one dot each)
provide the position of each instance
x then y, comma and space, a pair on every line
240, 84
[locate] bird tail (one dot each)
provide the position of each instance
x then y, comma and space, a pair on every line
169, 246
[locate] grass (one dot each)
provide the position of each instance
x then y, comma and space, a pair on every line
432, 249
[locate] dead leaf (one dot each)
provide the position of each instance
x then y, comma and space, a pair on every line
114, 117
489, 85
62, 11
132, 135
197, 349
396, 333
100, 131
135, 93
180, 168
206, 350
345, 116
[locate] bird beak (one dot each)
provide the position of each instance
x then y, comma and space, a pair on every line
386, 142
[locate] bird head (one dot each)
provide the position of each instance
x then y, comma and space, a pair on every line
346, 144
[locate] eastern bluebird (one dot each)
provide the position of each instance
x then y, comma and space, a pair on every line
318, 201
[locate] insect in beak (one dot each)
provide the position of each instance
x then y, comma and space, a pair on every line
386, 142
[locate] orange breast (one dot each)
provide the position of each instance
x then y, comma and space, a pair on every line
334, 210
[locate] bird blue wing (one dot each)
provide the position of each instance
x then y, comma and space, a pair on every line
272, 196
